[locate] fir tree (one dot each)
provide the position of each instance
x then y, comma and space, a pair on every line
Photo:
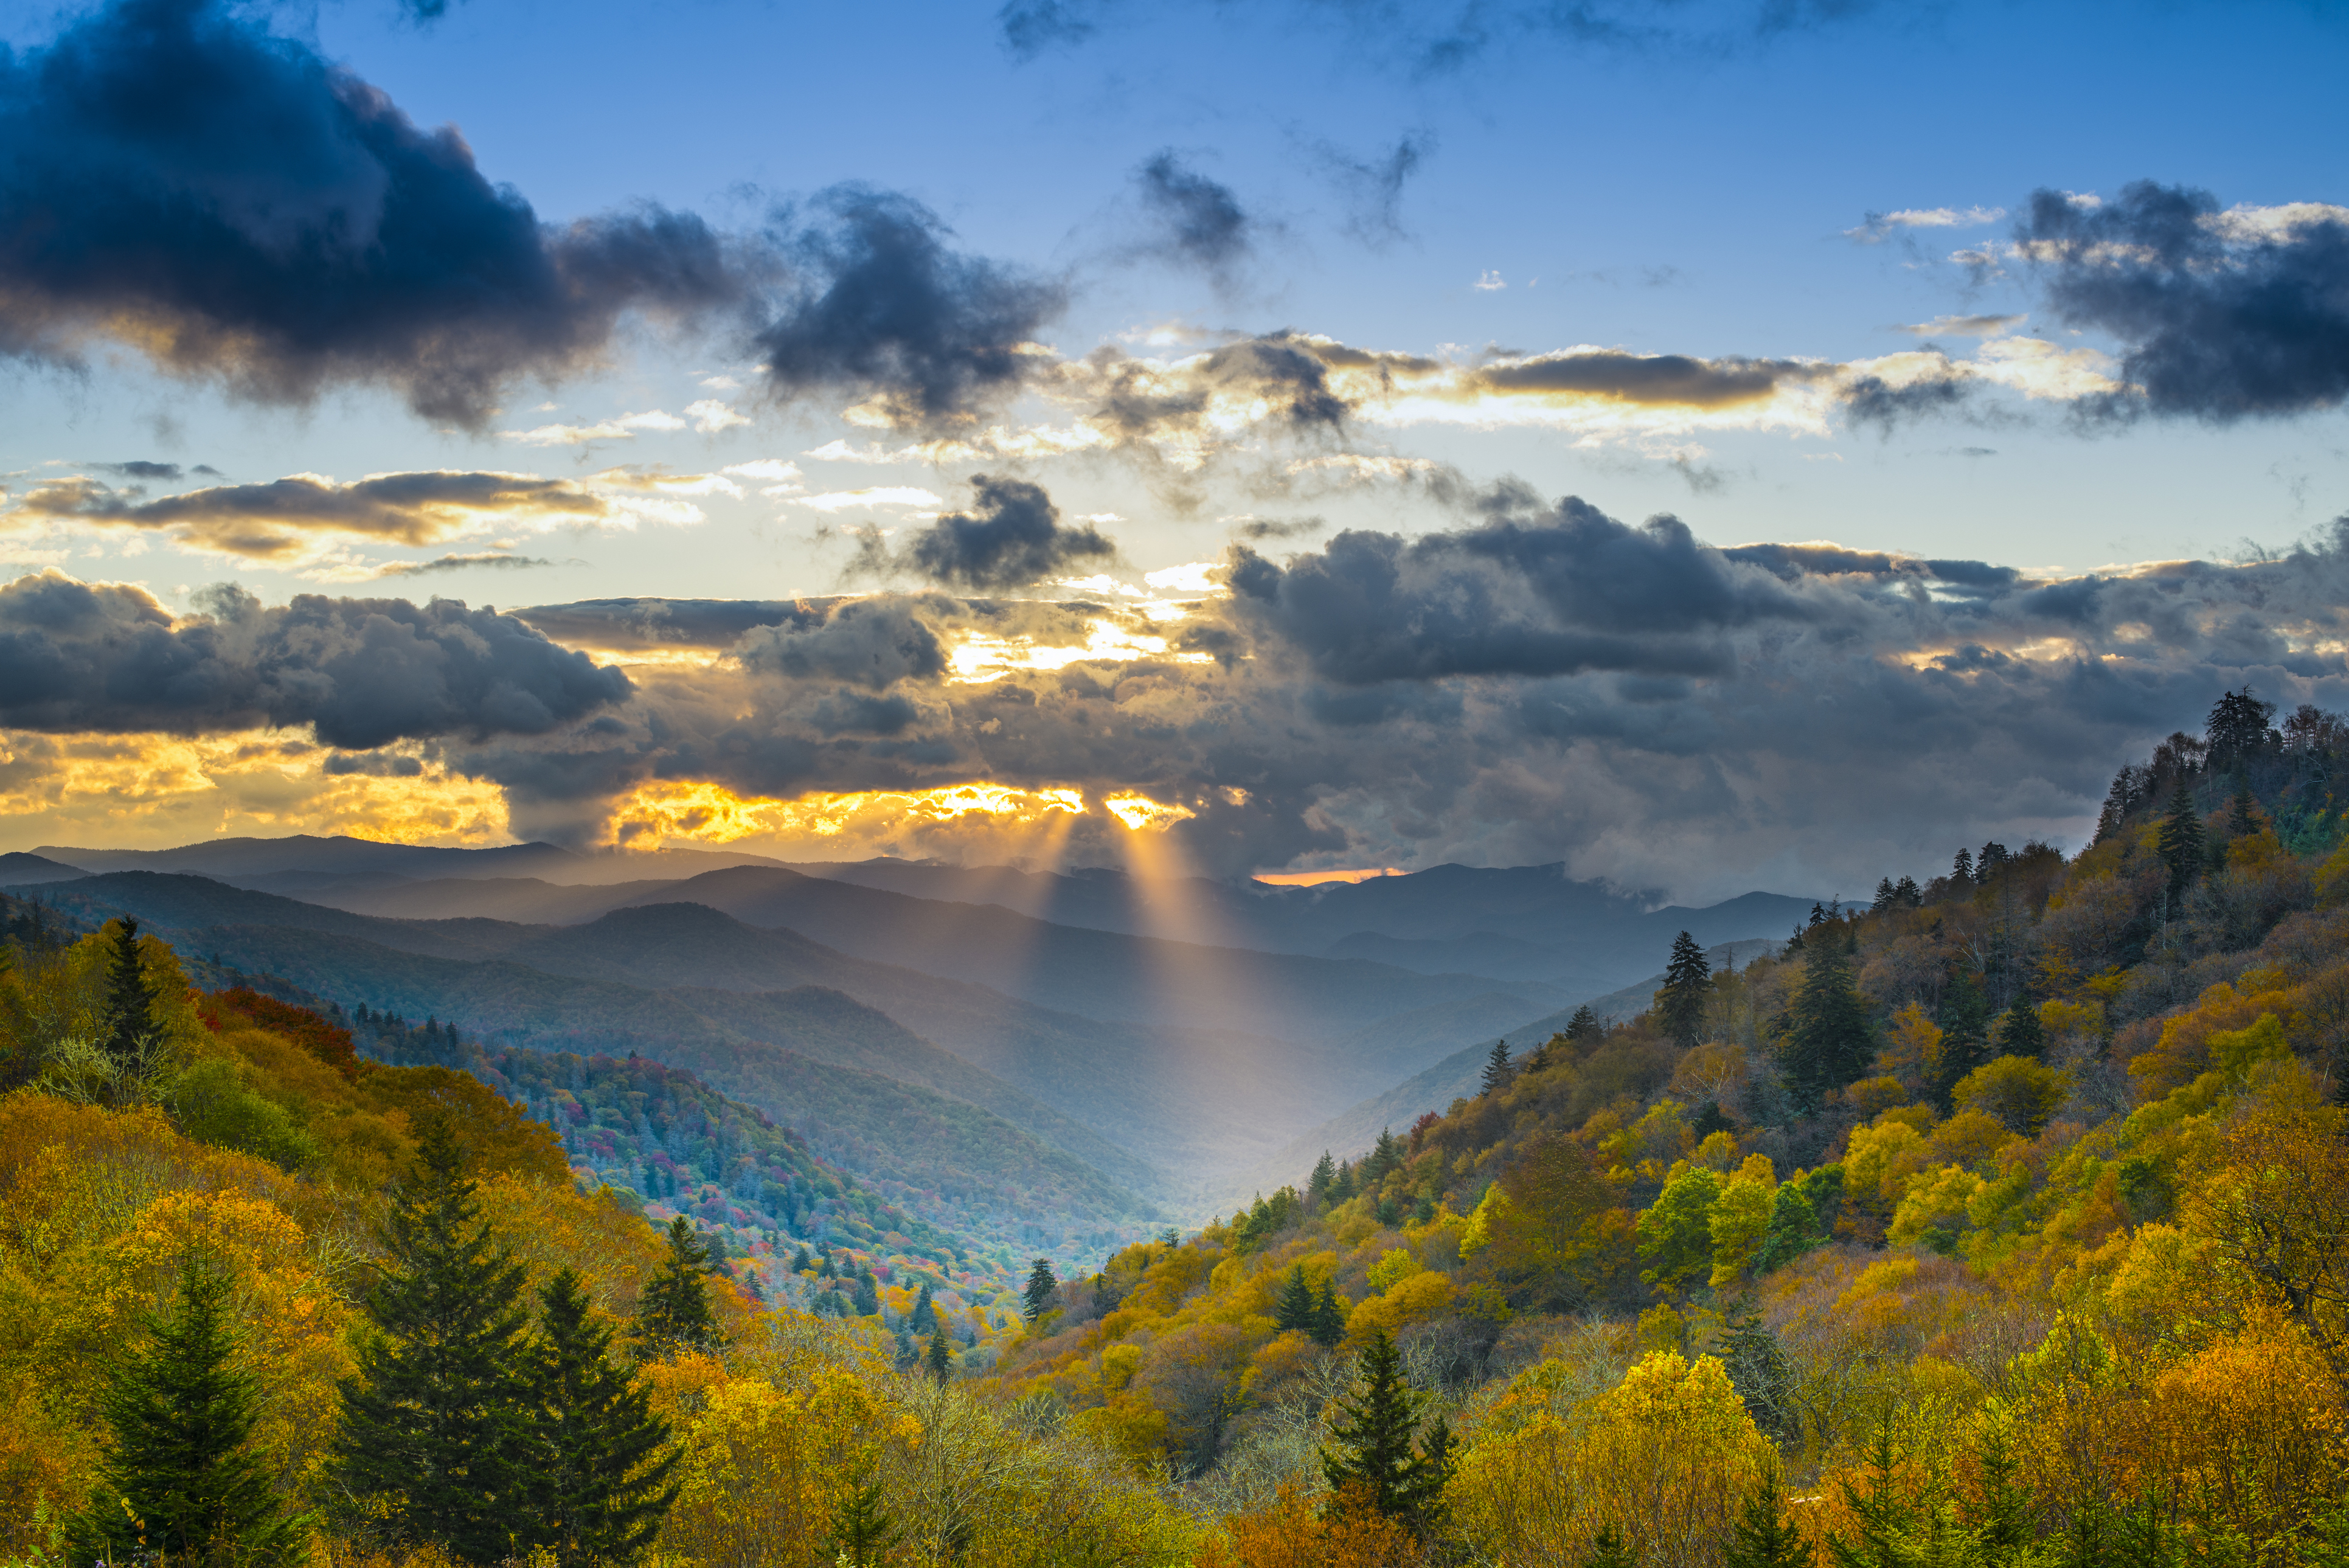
600, 1458
940, 1358
2238, 729
1688, 982
180, 1483
1965, 1034
1329, 1325
1385, 1155
1609, 1550
1763, 1536
1323, 1182
2181, 843
1584, 1027
1036, 1299
2001, 1512
862, 1529
1757, 1368
674, 1313
432, 1437
1496, 1067
2018, 1034
867, 1299
1296, 1305
1886, 1523
1824, 1039
1344, 1187
1962, 871
129, 1010
1374, 1429
925, 1315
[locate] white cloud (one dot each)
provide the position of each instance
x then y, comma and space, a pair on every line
877, 495
1190, 577
785, 477
1966, 325
623, 429
1880, 224
1489, 282
709, 416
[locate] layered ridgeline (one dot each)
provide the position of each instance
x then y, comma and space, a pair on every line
2001, 1218
264, 1300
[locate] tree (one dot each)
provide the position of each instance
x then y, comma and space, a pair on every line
939, 1359
2238, 729
1294, 1308
1036, 1300
1763, 1536
925, 1315
1323, 1183
1609, 1550
1961, 871
129, 1010
1584, 1027
431, 1438
600, 1458
2181, 843
1757, 1368
1965, 1034
1496, 1067
1374, 1429
181, 1482
1688, 982
1823, 1036
674, 1313
2019, 1033
862, 1529
1329, 1325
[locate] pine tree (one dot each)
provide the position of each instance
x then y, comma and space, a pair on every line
862, 1529
1323, 1182
1886, 1523
180, 1483
1757, 1368
433, 1435
1825, 1041
1609, 1550
129, 1010
1296, 1305
1961, 871
1584, 1027
2001, 1512
1374, 1431
2181, 843
1036, 1299
1385, 1155
1965, 1034
1688, 984
940, 1358
1496, 1067
925, 1315
1329, 1325
674, 1313
600, 1458
1345, 1187
2019, 1033
1763, 1536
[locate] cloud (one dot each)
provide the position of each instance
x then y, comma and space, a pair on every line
623, 429
78, 657
1966, 325
1196, 221
709, 416
2223, 315
873, 495
1878, 226
1373, 186
1012, 537
227, 203
494, 559
283, 518
144, 470
882, 309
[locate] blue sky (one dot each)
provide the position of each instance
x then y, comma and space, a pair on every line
1700, 182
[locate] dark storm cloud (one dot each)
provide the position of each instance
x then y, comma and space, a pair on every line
281, 517
1872, 400
2225, 316
881, 307
77, 656
870, 642
1653, 378
234, 207
1012, 537
669, 622
1198, 221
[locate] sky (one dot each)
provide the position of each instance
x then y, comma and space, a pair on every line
1708, 445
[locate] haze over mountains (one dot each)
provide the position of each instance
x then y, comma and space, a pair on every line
1133, 1048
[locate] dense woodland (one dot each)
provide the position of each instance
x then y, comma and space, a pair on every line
1996, 1223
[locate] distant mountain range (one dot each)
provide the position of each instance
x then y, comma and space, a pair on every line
1125, 1044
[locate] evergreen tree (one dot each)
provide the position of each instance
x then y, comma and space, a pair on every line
1323, 1182
1886, 1523
1496, 1067
2019, 1033
2000, 1515
1329, 1325
129, 1010
180, 1483
1036, 1300
1344, 1187
1584, 1027
1965, 1034
867, 1299
1763, 1536
1296, 1305
1885, 896
1824, 1042
925, 1315
1757, 1368
1962, 871
1386, 1154
862, 1529
1688, 984
940, 1358
600, 1458
2181, 843
800, 1263
1374, 1429
1909, 895
1609, 1550
432, 1437
2237, 730
674, 1313
2241, 823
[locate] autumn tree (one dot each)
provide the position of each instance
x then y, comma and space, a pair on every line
1688, 984
1376, 1429
2270, 1197
181, 1481
432, 1441
599, 1458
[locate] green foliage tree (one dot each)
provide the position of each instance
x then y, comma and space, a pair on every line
129, 1010
2181, 843
1036, 1299
1676, 1231
600, 1460
431, 1440
674, 1313
1688, 984
1763, 1536
1496, 1067
2238, 729
1375, 1430
182, 1482
1296, 1305
1823, 1034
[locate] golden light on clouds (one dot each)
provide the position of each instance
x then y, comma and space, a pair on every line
681, 814
154, 791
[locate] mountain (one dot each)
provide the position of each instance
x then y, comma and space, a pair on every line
305, 860
20, 869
